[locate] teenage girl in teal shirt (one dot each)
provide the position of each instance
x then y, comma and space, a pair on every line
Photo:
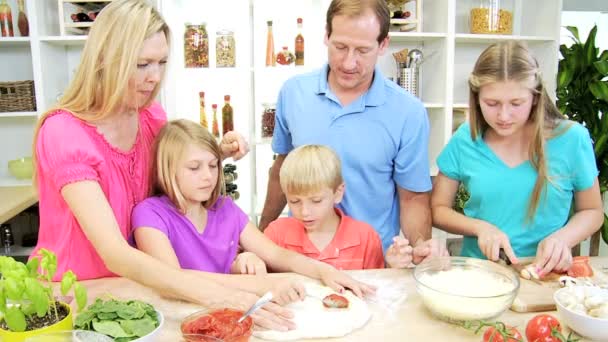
522, 162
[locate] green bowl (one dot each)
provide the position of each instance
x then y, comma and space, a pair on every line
21, 168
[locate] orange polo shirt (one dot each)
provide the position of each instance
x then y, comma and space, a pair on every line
355, 245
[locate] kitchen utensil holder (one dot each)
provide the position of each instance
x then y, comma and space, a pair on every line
409, 79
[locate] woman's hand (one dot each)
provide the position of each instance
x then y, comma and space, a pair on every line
248, 263
553, 253
399, 254
271, 316
339, 280
428, 249
491, 239
286, 291
234, 145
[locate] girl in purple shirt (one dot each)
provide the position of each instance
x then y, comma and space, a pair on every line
188, 224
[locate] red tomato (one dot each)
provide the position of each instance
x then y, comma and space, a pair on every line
540, 327
580, 267
334, 301
493, 335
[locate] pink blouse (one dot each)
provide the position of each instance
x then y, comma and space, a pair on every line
70, 150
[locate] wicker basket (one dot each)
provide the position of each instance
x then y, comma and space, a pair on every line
18, 96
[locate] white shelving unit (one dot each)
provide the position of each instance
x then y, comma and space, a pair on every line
49, 58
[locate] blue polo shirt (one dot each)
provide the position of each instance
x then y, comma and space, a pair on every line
500, 194
381, 138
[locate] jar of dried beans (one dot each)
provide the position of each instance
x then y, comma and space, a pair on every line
225, 49
492, 16
268, 119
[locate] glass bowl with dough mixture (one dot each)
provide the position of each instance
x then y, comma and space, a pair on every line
457, 289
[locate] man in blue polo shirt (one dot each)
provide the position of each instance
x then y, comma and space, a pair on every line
379, 130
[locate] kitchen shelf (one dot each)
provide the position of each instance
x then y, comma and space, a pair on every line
18, 114
8, 180
493, 38
65, 40
12, 41
416, 36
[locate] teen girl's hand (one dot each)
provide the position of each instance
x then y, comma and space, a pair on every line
234, 145
399, 254
248, 263
339, 281
553, 253
428, 249
491, 239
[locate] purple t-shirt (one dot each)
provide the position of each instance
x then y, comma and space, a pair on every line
212, 251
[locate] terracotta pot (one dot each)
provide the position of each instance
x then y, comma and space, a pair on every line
65, 324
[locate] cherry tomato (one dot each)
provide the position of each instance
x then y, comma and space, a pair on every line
493, 335
540, 327
335, 301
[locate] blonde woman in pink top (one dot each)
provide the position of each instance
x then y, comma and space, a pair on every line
92, 154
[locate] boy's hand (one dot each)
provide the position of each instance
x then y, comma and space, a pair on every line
287, 291
399, 254
248, 263
233, 145
339, 280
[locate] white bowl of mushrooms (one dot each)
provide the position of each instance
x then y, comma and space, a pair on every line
585, 310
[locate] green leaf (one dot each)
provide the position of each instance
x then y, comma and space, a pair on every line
599, 89
15, 319
80, 292
107, 316
66, 282
139, 327
590, 49
84, 320
605, 229
602, 67
14, 289
32, 266
110, 328
574, 32
38, 296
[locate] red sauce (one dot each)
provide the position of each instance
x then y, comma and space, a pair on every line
222, 324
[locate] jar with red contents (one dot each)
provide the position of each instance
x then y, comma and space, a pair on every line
268, 119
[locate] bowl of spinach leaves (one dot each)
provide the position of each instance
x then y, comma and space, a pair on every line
130, 320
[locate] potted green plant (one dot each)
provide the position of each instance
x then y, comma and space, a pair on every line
27, 304
582, 95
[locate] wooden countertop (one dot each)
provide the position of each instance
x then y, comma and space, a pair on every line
15, 199
407, 319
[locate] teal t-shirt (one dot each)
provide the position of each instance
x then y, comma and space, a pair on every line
501, 194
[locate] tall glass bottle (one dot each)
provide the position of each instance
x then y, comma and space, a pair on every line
270, 59
215, 130
299, 44
227, 116
6, 20
22, 22
202, 115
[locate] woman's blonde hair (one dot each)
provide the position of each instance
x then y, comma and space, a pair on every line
109, 59
169, 149
511, 61
310, 168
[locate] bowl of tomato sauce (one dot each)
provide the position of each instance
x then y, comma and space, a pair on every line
216, 325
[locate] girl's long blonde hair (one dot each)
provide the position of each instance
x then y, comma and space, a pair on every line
169, 149
511, 61
109, 59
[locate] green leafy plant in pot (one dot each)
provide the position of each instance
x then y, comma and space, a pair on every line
27, 304
582, 95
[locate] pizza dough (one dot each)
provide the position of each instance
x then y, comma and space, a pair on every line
313, 320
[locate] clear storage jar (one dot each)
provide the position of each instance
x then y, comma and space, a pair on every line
491, 17
225, 49
196, 46
268, 119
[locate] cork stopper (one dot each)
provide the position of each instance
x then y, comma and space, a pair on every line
214, 106
299, 20
226, 97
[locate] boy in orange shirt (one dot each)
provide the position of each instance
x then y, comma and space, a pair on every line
311, 178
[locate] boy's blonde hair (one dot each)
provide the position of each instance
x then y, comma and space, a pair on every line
309, 169
511, 61
169, 149
109, 59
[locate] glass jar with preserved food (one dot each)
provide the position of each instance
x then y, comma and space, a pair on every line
225, 49
268, 119
196, 46
491, 16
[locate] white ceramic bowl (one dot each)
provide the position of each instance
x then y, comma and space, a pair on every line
485, 296
590, 327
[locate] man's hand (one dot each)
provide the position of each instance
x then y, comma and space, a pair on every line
233, 145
